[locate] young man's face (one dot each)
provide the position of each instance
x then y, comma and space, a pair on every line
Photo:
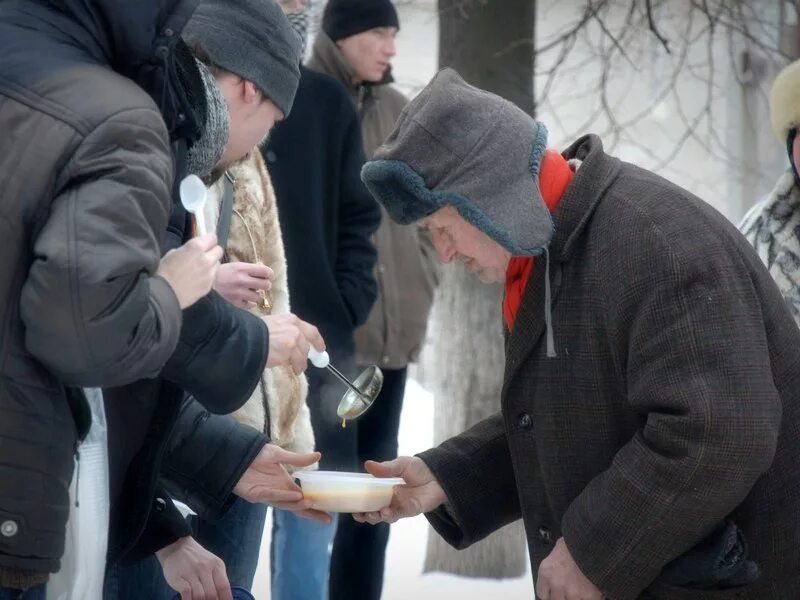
456, 239
370, 53
252, 116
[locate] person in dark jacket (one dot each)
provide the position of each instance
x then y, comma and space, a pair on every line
328, 218
249, 85
647, 429
87, 176
99, 108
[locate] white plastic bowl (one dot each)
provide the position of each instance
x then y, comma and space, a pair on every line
334, 491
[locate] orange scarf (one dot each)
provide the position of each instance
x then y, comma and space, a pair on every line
554, 178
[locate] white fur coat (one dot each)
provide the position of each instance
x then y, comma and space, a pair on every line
255, 236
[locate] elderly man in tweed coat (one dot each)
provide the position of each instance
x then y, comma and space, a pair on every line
648, 428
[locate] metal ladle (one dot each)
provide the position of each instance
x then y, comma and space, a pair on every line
360, 395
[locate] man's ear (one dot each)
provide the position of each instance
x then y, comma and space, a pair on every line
251, 93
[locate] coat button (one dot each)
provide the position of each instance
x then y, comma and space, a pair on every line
9, 528
160, 504
525, 421
545, 535
385, 360
270, 156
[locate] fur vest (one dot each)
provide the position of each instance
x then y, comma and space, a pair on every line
773, 228
278, 405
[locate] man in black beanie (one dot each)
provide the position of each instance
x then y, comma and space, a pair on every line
356, 46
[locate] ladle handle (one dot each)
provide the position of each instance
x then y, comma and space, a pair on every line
322, 360
345, 380
318, 359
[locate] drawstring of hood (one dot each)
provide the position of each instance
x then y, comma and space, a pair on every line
554, 178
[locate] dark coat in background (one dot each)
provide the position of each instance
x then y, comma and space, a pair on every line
327, 215
328, 218
407, 273
673, 403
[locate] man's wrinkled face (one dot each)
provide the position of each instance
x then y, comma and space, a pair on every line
370, 53
252, 116
456, 239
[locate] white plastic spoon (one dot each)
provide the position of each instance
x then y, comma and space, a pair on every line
193, 197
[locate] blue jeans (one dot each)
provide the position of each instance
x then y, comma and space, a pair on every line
300, 557
143, 579
34, 593
235, 538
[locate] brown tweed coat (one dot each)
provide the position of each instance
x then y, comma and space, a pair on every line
673, 402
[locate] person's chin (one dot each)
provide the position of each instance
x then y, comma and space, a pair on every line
379, 74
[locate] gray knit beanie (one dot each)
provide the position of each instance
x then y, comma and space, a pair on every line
343, 18
460, 146
253, 39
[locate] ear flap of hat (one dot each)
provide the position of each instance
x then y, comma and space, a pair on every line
404, 195
400, 189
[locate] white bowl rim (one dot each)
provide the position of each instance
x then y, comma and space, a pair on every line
338, 477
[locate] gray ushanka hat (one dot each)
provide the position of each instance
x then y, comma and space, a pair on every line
457, 145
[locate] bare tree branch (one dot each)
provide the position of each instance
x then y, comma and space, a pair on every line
648, 4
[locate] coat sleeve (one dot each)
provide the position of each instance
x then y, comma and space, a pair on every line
693, 350
359, 217
475, 472
220, 355
95, 314
206, 457
165, 526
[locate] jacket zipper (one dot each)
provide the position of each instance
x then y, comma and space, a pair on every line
77, 472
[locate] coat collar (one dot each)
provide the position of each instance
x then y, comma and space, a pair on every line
596, 174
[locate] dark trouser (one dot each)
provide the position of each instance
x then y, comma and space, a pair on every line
143, 579
34, 593
235, 538
360, 547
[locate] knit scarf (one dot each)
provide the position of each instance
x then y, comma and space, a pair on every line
554, 178
205, 153
300, 23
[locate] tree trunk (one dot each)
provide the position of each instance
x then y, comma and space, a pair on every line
490, 43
